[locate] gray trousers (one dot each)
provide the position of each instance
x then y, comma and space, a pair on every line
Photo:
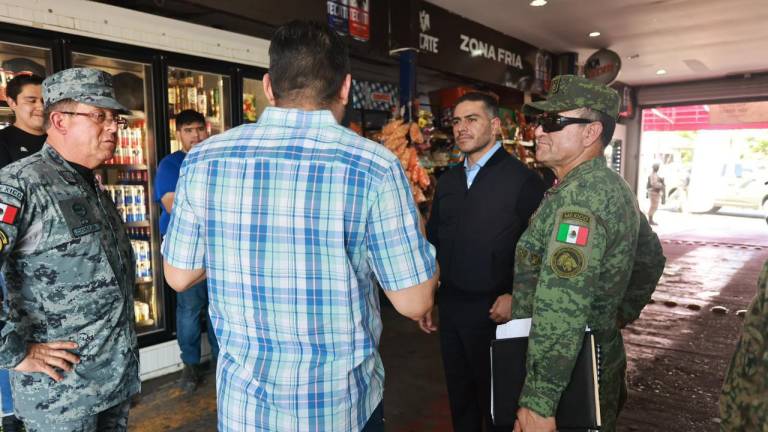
114, 419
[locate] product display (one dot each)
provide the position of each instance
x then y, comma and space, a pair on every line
127, 180
395, 136
203, 92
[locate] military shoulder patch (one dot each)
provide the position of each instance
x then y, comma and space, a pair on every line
11, 191
568, 262
572, 234
3, 240
8, 213
575, 216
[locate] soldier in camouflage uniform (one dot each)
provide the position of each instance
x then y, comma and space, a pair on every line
744, 401
588, 257
69, 268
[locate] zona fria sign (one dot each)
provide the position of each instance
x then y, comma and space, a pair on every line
451, 43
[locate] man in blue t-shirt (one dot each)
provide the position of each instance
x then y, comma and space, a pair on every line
190, 304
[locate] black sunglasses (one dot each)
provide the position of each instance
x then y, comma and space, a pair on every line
554, 123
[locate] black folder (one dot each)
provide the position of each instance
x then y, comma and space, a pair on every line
579, 406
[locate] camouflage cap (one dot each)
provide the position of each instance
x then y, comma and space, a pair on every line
569, 92
85, 85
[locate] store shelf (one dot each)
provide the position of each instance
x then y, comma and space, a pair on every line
125, 167
135, 115
142, 281
140, 224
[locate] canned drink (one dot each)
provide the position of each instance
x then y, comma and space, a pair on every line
143, 260
143, 251
138, 193
128, 198
142, 211
133, 213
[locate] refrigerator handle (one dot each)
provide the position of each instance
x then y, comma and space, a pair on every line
237, 96
162, 116
62, 54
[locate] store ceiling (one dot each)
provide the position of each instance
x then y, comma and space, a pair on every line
690, 39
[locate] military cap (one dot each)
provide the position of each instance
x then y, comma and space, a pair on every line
569, 92
84, 85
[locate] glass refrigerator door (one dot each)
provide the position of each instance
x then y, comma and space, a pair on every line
128, 179
16, 60
203, 92
254, 100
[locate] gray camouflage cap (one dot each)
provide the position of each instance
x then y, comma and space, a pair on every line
569, 92
84, 85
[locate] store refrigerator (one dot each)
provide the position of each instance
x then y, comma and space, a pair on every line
129, 180
17, 59
254, 100
205, 92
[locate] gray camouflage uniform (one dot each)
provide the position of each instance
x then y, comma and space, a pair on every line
70, 270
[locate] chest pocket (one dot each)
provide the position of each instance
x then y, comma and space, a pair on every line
79, 216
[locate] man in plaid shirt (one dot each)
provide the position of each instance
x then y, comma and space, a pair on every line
291, 219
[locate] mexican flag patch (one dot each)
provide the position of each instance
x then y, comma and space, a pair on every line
573, 234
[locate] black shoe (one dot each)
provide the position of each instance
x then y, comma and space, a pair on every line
190, 377
12, 424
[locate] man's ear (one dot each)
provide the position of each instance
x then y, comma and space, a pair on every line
11, 103
591, 133
267, 83
496, 127
56, 121
345, 88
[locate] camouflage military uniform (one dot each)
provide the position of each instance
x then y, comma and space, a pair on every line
588, 258
744, 401
70, 271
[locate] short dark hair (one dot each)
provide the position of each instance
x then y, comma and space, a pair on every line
608, 122
16, 85
307, 61
60, 105
490, 102
188, 116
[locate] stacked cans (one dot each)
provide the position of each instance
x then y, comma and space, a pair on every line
141, 251
129, 201
129, 149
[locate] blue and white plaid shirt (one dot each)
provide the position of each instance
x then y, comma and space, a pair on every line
292, 218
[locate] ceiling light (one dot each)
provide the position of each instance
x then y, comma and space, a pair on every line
661, 72
538, 2
594, 34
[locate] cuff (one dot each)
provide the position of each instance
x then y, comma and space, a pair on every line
543, 404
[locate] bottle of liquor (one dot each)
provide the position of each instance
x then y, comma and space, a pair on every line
202, 100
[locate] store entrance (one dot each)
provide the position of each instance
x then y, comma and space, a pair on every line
713, 160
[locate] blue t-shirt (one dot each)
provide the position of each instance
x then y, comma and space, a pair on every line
165, 181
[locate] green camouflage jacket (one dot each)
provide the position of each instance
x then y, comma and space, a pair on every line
744, 401
70, 274
588, 258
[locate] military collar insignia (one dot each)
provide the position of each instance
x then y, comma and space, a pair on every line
54, 155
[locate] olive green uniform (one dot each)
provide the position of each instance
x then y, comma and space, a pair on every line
744, 401
588, 258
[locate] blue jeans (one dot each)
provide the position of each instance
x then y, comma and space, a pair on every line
376, 421
5, 393
190, 305
6, 397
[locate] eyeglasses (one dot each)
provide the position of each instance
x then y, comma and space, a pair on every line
101, 118
554, 123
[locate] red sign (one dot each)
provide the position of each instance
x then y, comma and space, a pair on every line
359, 20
